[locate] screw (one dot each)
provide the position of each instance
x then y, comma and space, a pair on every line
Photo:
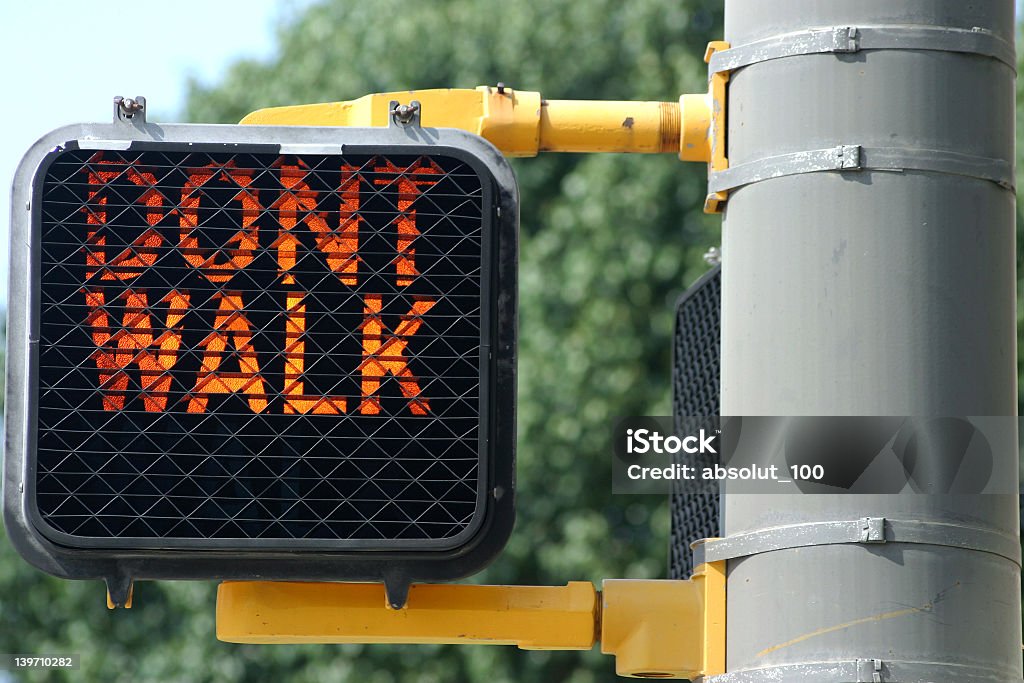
713, 256
129, 106
403, 113
501, 88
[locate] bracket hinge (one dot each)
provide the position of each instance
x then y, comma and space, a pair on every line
869, 671
872, 529
848, 157
845, 39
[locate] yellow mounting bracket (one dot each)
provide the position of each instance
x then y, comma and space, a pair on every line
666, 629
718, 159
522, 123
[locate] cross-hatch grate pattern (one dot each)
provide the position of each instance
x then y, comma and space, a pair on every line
695, 394
242, 346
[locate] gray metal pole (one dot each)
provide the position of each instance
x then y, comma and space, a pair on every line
873, 293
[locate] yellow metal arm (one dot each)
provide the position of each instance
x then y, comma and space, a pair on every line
531, 617
665, 629
521, 123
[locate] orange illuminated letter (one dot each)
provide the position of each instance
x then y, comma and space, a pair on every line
230, 320
296, 401
117, 349
409, 182
340, 245
387, 355
247, 238
143, 251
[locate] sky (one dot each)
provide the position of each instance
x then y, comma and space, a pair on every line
65, 60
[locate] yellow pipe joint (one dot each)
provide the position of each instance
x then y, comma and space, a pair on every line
666, 629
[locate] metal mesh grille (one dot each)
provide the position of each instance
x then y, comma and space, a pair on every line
259, 346
695, 393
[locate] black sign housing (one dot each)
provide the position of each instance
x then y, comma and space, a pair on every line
261, 353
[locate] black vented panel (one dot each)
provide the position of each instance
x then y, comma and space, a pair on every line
260, 347
696, 377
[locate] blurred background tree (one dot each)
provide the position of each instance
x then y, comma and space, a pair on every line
607, 244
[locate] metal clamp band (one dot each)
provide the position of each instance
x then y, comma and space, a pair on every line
849, 39
865, 671
858, 158
864, 530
